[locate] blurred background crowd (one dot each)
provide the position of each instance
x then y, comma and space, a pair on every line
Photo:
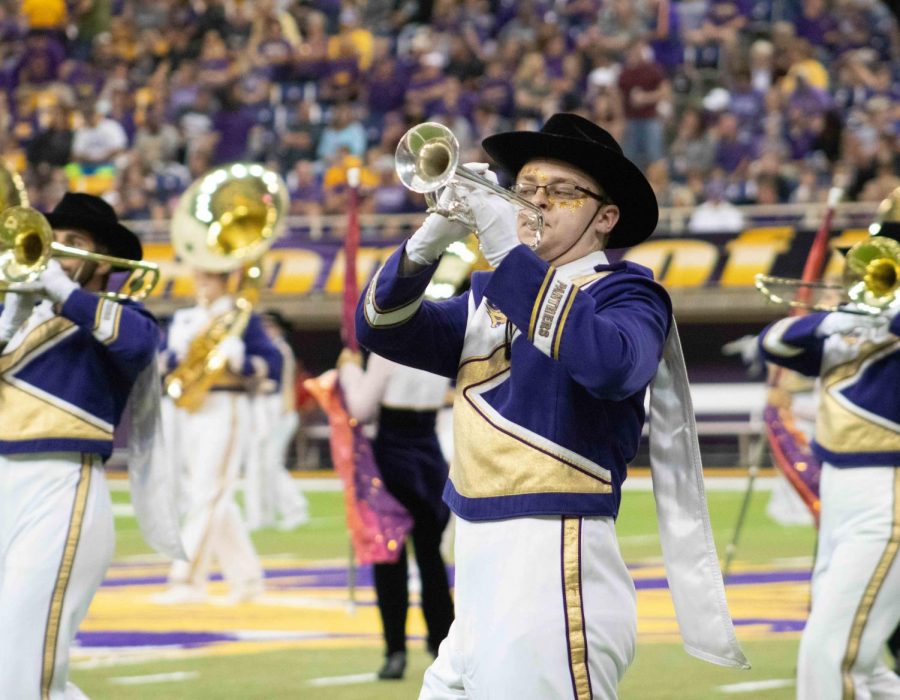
721, 102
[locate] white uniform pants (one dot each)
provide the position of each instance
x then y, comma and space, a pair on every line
545, 609
213, 440
855, 588
56, 542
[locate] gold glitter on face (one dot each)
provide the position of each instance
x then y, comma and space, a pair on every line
537, 176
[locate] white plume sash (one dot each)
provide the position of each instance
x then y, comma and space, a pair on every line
689, 552
153, 493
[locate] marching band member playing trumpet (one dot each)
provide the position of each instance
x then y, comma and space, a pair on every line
552, 352
213, 441
69, 362
855, 598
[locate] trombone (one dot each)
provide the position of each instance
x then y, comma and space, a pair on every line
26, 246
427, 160
871, 281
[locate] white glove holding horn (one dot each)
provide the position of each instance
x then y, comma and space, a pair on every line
495, 220
437, 232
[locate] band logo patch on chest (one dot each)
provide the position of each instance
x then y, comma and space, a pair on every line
496, 316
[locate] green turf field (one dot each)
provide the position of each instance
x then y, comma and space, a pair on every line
334, 669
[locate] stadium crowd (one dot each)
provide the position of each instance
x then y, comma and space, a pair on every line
720, 102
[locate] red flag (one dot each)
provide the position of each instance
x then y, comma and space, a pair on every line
351, 247
378, 522
791, 452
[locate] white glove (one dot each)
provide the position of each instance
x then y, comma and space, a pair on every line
842, 323
56, 283
233, 351
430, 241
16, 310
495, 221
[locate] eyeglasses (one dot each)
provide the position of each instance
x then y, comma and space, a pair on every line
558, 192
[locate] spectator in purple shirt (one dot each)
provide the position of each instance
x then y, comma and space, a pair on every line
40, 62
496, 88
427, 84
306, 191
734, 150
817, 24
385, 87
806, 97
231, 128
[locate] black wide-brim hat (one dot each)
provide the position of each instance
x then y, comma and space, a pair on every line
85, 212
581, 143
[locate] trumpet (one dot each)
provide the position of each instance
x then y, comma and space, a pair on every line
26, 246
427, 160
871, 281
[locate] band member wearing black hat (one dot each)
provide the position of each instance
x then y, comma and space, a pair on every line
69, 361
855, 598
552, 353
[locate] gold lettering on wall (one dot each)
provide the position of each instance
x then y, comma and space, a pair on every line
677, 262
753, 251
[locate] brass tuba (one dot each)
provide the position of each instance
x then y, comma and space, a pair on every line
26, 245
225, 221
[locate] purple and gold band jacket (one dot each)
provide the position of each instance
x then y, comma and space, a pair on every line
858, 417
551, 367
66, 378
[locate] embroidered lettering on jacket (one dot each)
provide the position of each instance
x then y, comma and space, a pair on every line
553, 300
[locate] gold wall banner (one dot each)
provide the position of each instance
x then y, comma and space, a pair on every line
296, 267
709, 276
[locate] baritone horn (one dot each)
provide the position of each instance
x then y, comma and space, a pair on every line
427, 160
26, 246
225, 221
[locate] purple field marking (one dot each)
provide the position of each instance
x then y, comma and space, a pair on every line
319, 577
337, 578
192, 640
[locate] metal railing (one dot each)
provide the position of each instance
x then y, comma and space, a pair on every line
673, 221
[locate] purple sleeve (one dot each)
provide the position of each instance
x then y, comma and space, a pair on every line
792, 343
129, 332
394, 320
260, 349
609, 337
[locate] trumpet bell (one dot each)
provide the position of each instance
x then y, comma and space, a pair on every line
26, 241
872, 273
229, 217
427, 157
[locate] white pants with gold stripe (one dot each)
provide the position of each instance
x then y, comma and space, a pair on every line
545, 609
56, 542
213, 442
855, 588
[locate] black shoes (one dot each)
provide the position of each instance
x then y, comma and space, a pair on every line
394, 666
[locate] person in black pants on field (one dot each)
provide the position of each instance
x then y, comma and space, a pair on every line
405, 402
